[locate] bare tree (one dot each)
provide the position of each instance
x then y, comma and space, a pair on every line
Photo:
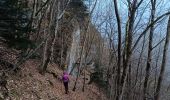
149, 59
164, 60
119, 46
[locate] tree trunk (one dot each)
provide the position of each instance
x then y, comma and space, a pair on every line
46, 63
84, 80
165, 51
56, 31
149, 58
119, 45
44, 53
128, 46
47, 52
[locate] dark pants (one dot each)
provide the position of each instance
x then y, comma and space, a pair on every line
66, 87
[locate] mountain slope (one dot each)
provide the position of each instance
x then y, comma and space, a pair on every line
28, 84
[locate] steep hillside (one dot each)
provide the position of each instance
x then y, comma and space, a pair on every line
28, 84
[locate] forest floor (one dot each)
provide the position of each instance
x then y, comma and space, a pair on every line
29, 84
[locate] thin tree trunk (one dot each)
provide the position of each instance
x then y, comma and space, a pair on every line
119, 45
138, 66
77, 76
128, 46
58, 15
84, 81
46, 48
164, 60
44, 53
129, 85
156, 67
46, 62
62, 50
149, 58
56, 31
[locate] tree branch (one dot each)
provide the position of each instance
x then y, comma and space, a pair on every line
148, 27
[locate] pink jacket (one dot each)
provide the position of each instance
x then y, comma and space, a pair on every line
65, 77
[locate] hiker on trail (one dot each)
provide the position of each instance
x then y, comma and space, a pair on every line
65, 79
